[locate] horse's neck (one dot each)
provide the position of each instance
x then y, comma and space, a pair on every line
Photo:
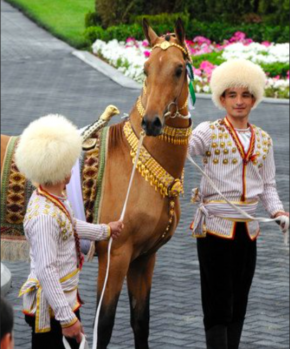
170, 156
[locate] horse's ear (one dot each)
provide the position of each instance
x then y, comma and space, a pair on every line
149, 33
179, 31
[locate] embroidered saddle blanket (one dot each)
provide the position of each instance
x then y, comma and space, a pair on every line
16, 191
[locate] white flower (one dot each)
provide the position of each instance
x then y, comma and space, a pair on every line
129, 60
258, 53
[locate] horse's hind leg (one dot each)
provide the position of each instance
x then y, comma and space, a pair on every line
139, 280
118, 270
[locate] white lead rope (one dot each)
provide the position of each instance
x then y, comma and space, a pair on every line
95, 339
283, 220
84, 343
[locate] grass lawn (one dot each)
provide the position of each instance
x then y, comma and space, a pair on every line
63, 18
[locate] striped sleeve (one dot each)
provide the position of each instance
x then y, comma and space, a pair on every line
270, 197
200, 139
95, 232
43, 234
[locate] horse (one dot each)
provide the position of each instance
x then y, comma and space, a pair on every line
153, 210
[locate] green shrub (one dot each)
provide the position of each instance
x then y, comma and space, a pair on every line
92, 19
274, 69
115, 12
218, 31
162, 19
121, 33
215, 31
214, 58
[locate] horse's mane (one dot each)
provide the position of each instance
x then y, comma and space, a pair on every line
116, 135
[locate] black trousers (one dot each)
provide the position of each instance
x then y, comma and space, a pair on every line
227, 269
52, 339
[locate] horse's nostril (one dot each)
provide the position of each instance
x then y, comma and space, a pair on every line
157, 122
143, 123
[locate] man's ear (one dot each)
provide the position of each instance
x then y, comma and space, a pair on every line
253, 101
222, 99
149, 33
7, 341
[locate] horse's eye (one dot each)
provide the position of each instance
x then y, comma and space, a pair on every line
145, 72
178, 72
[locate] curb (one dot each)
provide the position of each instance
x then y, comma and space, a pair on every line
106, 69
5, 280
124, 81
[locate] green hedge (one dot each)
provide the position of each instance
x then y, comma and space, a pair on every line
274, 12
272, 69
215, 31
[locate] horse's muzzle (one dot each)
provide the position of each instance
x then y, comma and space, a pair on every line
152, 127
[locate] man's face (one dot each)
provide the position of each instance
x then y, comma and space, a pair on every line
238, 102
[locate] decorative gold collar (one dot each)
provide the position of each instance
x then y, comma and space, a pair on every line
151, 170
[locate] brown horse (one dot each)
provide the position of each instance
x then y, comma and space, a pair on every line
153, 210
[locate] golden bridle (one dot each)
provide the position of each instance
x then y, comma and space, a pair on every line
173, 135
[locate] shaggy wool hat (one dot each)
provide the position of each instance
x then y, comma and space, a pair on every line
238, 73
48, 149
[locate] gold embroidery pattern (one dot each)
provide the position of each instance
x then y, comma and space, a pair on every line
151, 170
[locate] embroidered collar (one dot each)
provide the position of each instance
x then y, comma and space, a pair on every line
245, 156
57, 201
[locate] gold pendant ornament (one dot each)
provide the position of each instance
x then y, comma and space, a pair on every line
150, 169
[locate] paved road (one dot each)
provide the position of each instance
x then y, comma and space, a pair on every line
40, 76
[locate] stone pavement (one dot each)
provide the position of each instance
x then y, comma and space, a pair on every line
41, 76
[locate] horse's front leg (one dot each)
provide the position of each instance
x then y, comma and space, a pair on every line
118, 270
139, 281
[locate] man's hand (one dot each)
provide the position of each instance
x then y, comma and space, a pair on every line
284, 224
74, 331
116, 228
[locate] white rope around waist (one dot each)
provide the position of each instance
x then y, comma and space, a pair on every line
281, 219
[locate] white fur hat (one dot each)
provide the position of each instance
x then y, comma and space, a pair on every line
238, 73
48, 149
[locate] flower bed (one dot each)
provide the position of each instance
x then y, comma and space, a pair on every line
130, 56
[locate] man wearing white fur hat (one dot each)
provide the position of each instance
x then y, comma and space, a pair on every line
46, 153
238, 158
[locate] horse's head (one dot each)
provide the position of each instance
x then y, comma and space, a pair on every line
165, 89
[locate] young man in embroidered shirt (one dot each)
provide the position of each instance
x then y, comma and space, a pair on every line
46, 153
239, 159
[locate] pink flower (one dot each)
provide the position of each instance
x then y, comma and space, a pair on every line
207, 68
277, 77
201, 40
189, 42
197, 72
147, 54
288, 74
130, 40
145, 43
238, 36
203, 50
266, 43
206, 65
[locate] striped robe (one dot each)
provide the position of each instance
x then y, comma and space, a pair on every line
54, 258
